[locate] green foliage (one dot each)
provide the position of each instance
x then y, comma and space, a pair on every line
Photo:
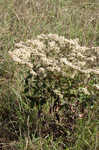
51, 113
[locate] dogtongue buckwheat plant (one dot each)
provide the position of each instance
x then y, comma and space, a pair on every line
61, 85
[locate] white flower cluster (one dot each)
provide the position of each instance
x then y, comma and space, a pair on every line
51, 52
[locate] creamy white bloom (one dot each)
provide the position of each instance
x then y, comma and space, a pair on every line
56, 54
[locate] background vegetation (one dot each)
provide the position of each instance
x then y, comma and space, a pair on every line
32, 116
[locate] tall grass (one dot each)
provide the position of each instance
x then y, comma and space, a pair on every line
31, 116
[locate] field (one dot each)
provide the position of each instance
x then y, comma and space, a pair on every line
32, 116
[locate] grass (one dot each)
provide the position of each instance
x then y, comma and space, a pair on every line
36, 118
